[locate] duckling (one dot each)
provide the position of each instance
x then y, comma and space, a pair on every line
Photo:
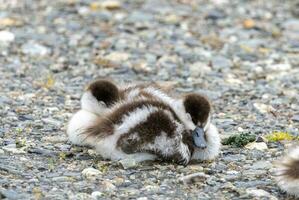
288, 173
144, 122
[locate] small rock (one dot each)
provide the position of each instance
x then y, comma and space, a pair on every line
10, 194
111, 5
261, 139
35, 49
248, 23
279, 67
261, 164
108, 186
6, 37
52, 121
263, 108
213, 41
128, 163
1, 152
62, 179
118, 181
91, 173
295, 118
197, 168
11, 148
291, 25
199, 69
193, 178
257, 145
215, 14
80, 196
171, 19
9, 22
117, 57
220, 62
142, 198
96, 195
138, 16
55, 139
260, 193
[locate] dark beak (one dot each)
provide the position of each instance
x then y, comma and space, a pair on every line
199, 138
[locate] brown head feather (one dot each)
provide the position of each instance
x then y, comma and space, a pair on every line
198, 107
104, 91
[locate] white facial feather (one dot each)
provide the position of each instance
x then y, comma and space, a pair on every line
91, 104
213, 145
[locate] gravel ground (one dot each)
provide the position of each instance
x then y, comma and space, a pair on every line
244, 55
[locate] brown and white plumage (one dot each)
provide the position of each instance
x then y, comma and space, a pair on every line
142, 121
287, 173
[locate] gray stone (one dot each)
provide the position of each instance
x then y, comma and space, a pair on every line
221, 63
35, 49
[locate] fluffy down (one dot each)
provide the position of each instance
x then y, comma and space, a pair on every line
288, 173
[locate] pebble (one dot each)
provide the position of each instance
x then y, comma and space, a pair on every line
117, 57
279, 67
52, 121
257, 145
295, 118
97, 195
260, 193
262, 165
6, 37
35, 49
91, 173
11, 148
263, 108
220, 63
199, 69
111, 4
108, 186
193, 178
128, 163
55, 139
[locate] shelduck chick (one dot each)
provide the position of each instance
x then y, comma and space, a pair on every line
288, 173
144, 122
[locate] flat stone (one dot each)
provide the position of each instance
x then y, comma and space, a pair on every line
55, 139
117, 57
192, 178
220, 62
128, 163
261, 164
91, 173
52, 121
35, 49
199, 69
6, 37
279, 67
260, 193
97, 195
263, 108
257, 145
295, 118
11, 148
108, 185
